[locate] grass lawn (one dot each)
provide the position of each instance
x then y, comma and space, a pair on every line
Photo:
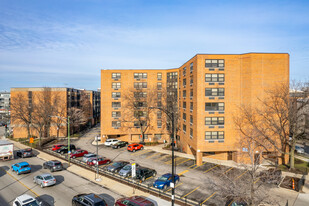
301, 167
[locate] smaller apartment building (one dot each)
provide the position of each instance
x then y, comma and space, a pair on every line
66, 98
210, 89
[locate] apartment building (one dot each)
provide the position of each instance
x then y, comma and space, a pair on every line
210, 89
62, 99
5, 98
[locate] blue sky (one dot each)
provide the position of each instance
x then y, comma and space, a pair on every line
65, 43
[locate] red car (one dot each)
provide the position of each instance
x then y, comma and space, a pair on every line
100, 161
134, 147
135, 200
57, 146
78, 153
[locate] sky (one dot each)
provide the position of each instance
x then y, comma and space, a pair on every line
65, 43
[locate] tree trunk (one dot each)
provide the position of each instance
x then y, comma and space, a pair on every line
57, 132
28, 130
292, 160
252, 203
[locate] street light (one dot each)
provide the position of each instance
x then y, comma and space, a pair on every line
171, 117
67, 120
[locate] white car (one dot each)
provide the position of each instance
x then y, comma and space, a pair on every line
299, 150
26, 200
110, 142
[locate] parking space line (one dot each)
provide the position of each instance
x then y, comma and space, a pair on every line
175, 187
170, 161
141, 152
228, 170
190, 192
190, 167
184, 161
199, 166
208, 198
242, 174
20, 182
161, 158
183, 172
211, 168
257, 180
155, 154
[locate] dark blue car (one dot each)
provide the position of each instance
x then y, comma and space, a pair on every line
22, 167
165, 180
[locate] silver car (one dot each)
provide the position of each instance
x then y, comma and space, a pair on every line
88, 157
126, 170
44, 180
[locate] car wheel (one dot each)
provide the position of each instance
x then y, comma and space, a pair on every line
44, 166
142, 148
154, 174
51, 170
73, 157
117, 147
42, 185
165, 187
62, 153
18, 172
133, 150
34, 180
143, 179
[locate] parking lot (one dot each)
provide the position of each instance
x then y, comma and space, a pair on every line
196, 182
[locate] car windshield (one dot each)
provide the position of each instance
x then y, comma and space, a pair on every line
33, 203
127, 167
58, 163
117, 164
24, 166
48, 177
76, 152
162, 178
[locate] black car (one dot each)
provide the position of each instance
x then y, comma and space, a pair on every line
116, 166
53, 165
88, 199
120, 144
64, 149
142, 173
24, 153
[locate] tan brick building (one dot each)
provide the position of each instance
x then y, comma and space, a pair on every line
210, 87
66, 98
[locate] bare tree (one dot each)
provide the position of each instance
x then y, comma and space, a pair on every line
85, 105
21, 111
77, 118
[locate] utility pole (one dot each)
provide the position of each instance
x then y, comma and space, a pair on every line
69, 149
173, 160
97, 173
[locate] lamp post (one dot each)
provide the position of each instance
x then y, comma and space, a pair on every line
171, 117
67, 120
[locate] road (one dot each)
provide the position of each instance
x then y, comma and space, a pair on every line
68, 185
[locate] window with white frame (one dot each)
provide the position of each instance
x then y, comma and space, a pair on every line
116, 104
159, 76
116, 75
116, 85
214, 106
214, 120
116, 114
159, 123
214, 63
210, 135
116, 124
116, 94
140, 75
210, 92
191, 67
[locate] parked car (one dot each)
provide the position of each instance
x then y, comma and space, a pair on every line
117, 166
119, 144
26, 200
21, 167
232, 201
88, 156
127, 170
53, 165
24, 153
143, 173
88, 199
57, 146
299, 150
134, 147
44, 180
64, 149
78, 153
98, 161
165, 180
110, 142
135, 200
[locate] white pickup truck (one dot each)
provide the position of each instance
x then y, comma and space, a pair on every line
6, 150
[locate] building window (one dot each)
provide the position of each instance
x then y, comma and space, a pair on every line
116, 75
140, 94
191, 93
184, 116
191, 106
214, 92
140, 85
172, 75
184, 83
138, 114
191, 119
191, 133
184, 72
116, 104
159, 123
191, 81
214, 106
140, 104
214, 135
159, 104
214, 63
214, 121
214, 77
159, 76
140, 75
116, 114
158, 136
184, 105
116, 95
116, 124
191, 67
159, 85
184, 128
116, 85
159, 114
184, 93
159, 95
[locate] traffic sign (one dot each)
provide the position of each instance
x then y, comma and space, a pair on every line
133, 171
31, 140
